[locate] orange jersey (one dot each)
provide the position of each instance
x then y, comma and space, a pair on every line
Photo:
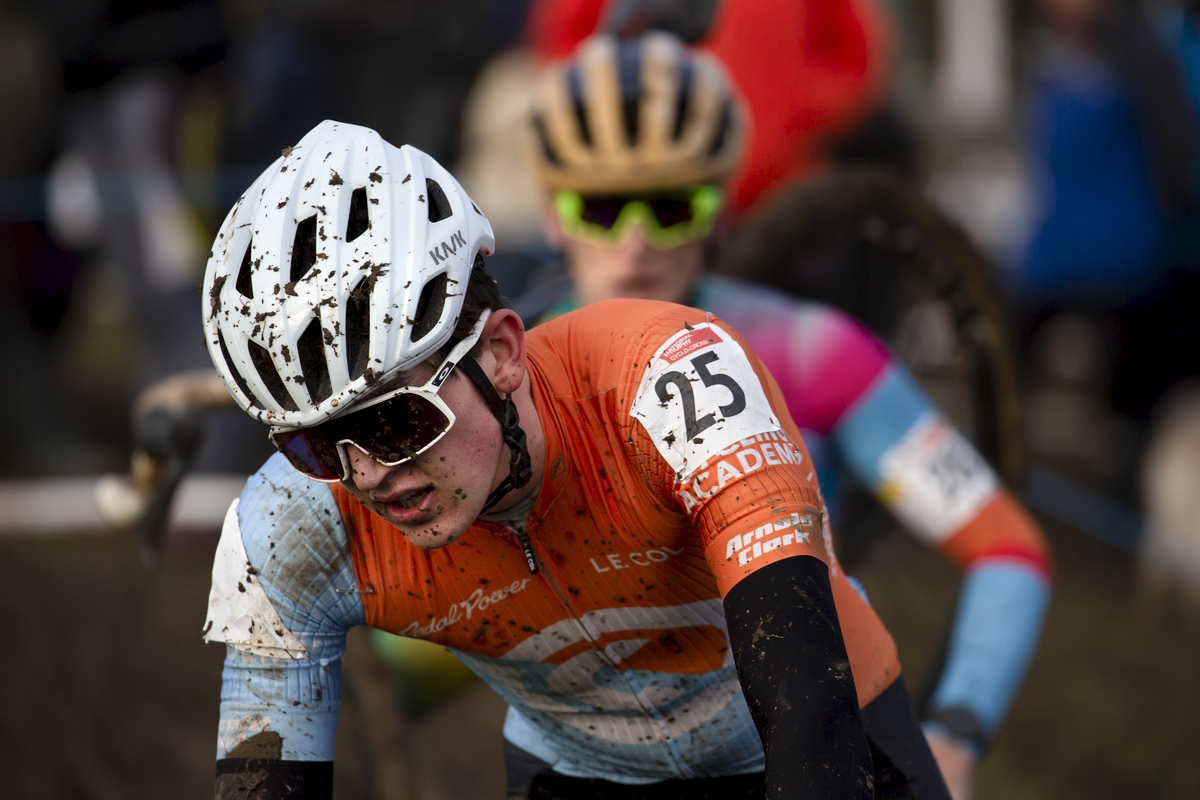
672, 471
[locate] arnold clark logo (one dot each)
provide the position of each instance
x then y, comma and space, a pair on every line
750, 546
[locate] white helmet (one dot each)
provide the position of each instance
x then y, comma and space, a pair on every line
345, 262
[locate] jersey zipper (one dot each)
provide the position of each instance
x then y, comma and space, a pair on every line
523, 538
531, 559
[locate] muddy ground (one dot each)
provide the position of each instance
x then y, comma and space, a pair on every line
108, 692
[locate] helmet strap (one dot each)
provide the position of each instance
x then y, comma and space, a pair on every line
520, 468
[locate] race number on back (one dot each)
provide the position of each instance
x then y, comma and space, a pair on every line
699, 395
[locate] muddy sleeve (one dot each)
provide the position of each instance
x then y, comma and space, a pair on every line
711, 426
711, 433
284, 595
795, 674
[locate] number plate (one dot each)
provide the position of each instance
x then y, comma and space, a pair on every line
698, 396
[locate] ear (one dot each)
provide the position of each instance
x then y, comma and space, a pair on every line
503, 342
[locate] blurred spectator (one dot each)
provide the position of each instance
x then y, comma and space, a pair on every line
1112, 140
170, 108
1179, 26
1110, 135
36, 276
140, 80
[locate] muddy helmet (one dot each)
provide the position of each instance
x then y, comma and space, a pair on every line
633, 115
345, 262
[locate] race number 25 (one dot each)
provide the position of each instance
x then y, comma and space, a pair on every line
699, 394
694, 425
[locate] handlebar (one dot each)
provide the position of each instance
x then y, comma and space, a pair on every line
168, 429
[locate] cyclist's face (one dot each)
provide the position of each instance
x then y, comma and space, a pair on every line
434, 497
632, 268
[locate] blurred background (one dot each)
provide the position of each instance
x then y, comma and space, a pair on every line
1060, 135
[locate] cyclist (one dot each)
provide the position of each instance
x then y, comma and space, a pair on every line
612, 519
812, 73
632, 141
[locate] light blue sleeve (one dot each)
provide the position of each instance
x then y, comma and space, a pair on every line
883, 417
1000, 611
294, 538
890, 442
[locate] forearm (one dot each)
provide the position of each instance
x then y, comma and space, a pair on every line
794, 671
1007, 570
266, 777
278, 722
281, 603
996, 628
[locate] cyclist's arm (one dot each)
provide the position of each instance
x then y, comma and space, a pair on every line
750, 493
795, 674
284, 594
931, 477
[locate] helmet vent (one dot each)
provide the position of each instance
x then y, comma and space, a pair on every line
439, 204
685, 94
575, 84
358, 329
304, 248
243, 285
237, 376
629, 67
429, 306
726, 121
359, 220
312, 362
539, 125
261, 360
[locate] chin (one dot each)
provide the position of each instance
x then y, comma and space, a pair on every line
641, 292
442, 525
432, 539
447, 527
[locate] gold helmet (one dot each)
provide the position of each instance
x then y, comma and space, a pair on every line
635, 115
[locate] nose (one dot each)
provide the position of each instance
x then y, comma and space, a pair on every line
366, 473
634, 251
634, 243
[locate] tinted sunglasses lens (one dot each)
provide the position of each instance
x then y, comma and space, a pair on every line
392, 431
396, 429
602, 211
670, 211
309, 452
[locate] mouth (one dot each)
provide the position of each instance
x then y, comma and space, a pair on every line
412, 507
646, 280
413, 498
641, 289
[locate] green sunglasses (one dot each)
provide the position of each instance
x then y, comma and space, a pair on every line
669, 218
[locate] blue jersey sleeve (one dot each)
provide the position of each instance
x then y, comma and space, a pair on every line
1001, 607
284, 596
896, 442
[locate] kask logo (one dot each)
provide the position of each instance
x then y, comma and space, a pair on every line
446, 249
